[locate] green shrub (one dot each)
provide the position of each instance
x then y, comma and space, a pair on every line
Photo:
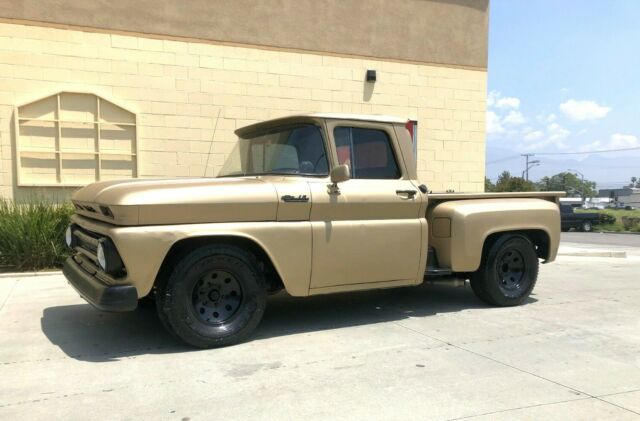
32, 234
605, 218
609, 227
631, 223
616, 217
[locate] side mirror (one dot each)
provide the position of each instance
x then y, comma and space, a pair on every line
339, 174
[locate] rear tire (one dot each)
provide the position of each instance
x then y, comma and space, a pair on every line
508, 272
586, 226
215, 296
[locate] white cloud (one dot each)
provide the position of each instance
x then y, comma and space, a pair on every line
514, 118
554, 135
546, 118
557, 134
616, 141
583, 110
508, 102
491, 98
494, 126
593, 146
619, 141
502, 114
496, 100
535, 135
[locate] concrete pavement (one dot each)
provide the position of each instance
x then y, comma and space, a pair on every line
592, 244
431, 353
572, 352
610, 239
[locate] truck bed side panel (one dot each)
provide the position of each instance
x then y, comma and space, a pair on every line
459, 228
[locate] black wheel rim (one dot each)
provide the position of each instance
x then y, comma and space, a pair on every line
511, 272
216, 297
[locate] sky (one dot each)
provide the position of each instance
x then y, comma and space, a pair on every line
564, 76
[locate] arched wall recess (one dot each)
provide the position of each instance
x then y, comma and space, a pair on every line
73, 139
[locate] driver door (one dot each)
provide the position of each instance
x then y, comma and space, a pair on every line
368, 230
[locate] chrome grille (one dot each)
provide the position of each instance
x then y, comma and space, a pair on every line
86, 242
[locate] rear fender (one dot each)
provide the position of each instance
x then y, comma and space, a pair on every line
459, 228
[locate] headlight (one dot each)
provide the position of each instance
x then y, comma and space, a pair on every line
108, 257
68, 237
102, 260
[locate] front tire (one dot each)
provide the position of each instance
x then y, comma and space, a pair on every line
148, 301
215, 296
586, 226
508, 272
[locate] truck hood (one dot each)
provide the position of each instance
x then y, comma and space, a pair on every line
178, 201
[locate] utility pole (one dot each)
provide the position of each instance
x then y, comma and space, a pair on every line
582, 181
528, 165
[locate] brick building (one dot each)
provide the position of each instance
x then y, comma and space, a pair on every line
94, 91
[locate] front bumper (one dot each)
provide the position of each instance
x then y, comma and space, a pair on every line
103, 297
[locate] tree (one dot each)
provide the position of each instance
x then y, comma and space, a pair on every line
568, 182
634, 182
488, 185
508, 183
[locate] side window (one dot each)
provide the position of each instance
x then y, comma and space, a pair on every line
309, 145
367, 152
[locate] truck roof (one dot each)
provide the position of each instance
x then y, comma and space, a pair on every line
378, 118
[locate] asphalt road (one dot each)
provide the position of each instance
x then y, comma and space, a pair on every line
428, 353
625, 240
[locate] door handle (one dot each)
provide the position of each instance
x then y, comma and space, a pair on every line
409, 193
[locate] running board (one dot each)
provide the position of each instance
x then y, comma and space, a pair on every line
436, 272
433, 268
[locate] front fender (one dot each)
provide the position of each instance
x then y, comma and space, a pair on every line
144, 248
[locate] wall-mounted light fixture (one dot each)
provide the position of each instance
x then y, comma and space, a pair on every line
371, 76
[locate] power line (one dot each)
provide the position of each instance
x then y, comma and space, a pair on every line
589, 152
509, 158
626, 167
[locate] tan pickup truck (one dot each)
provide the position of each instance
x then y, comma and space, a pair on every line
311, 204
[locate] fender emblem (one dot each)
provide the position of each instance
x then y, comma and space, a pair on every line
299, 198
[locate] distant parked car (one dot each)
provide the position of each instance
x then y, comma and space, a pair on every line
579, 221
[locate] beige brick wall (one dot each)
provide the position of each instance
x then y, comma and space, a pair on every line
179, 88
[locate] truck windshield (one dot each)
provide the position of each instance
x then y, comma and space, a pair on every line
292, 150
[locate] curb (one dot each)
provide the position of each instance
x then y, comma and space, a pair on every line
615, 254
617, 232
26, 274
